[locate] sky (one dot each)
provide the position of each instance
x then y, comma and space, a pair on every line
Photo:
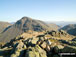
45, 10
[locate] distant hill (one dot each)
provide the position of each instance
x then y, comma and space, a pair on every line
54, 26
71, 29
3, 25
12, 22
23, 25
61, 23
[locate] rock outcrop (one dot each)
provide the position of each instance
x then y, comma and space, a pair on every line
35, 52
36, 45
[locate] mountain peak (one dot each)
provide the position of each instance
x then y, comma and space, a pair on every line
26, 17
27, 23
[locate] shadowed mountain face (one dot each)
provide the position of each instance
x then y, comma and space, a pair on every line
22, 25
3, 25
71, 29
29, 24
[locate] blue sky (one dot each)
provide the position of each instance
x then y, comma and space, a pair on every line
45, 10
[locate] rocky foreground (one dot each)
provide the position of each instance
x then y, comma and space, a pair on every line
39, 44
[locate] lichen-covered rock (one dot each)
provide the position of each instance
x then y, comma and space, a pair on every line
18, 50
13, 55
43, 45
1, 56
60, 46
34, 40
20, 45
36, 45
35, 52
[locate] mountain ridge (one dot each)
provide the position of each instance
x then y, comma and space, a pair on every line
3, 25
71, 29
23, 25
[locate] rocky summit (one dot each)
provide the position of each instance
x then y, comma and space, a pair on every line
39, 44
